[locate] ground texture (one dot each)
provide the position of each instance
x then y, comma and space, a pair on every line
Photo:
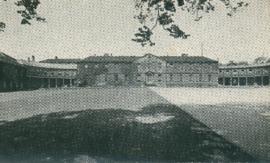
96, 124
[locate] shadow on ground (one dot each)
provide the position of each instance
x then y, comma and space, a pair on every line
156, 133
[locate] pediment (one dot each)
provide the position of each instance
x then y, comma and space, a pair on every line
150, 58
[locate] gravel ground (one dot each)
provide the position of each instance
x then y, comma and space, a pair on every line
241, 115
17, 105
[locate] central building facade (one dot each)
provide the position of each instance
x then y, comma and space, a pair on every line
149, 70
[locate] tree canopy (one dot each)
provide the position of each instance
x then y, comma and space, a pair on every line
150, 14
27, 10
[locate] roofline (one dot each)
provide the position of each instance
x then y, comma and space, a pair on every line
86, 60
244, 66
47, 65
10, 60
60, 59
51, 68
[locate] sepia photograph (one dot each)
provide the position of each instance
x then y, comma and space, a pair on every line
134, 81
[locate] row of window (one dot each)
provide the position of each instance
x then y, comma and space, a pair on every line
138, 64
179, 77
171, 77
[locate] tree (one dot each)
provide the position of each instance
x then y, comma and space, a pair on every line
260, 60
151, 13
27, 10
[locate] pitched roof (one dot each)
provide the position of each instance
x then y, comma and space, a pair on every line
7, 59
110, 59
49, 65
129, 59
188, 59
61, 61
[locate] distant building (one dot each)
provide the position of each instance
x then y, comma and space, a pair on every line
48, 75
148, 70
244, 75
57, 60
12, 74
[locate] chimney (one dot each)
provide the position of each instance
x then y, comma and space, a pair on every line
55, 57
33, 58
184, 55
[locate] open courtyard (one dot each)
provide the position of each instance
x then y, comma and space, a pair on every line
139, 124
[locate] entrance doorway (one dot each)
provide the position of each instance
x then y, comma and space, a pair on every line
150, 78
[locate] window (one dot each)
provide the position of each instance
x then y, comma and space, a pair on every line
190, 77
106, 78
116, 77
200, 77
171, 77
159, 77
138, 77
209, 78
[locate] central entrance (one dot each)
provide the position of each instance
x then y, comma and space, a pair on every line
150, 78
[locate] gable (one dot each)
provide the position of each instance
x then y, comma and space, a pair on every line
150, 63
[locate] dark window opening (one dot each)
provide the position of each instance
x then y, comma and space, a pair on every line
234, 81
250, 81
190, 77
258, 80
209, 78
220, 81
242, 81
171, 77
227, 81
116, 77
266, 80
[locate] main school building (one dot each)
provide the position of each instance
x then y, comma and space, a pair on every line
149, 70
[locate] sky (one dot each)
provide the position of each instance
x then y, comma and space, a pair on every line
77, 29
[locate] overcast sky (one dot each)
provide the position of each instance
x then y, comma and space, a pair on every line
77, 29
